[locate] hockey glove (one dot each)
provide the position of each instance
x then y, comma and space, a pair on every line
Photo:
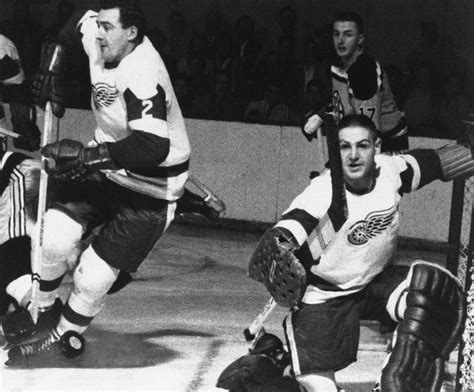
76, 162
24, 124
48, 83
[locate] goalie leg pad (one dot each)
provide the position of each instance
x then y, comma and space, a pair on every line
275, 265
431, 328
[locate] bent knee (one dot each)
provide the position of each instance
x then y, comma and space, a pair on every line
61, 237
93, 275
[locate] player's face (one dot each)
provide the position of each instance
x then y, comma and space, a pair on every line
358, 148
115, 42
346, 39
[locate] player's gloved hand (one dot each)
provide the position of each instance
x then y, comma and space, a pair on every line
48, 83
76, 162
24, 124
30, 135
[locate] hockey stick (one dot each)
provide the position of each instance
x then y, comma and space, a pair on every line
337, 211
210, 196
6, 132
252, 331
39, 232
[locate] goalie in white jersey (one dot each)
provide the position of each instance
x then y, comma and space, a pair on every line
346, 273
126, 181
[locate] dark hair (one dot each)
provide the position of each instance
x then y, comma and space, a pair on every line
130, 15
350, 16
358, 120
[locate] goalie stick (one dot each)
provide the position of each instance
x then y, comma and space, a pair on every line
39, 231
337, 211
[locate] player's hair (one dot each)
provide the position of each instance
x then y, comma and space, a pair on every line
130, 15
350, 16
358, 120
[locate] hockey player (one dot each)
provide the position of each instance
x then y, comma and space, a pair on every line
19, 190
16, 89
347, 272
360, 86
18, 174
127, 180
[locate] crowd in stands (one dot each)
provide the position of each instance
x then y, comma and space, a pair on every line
223, 72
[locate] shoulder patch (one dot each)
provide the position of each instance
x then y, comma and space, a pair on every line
363, 77
154, 106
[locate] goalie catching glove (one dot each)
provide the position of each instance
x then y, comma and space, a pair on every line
76, 162
275, 265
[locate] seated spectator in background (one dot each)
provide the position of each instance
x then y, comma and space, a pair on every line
315, 97
198, 80
272, 108
453, 107
212, 29
178, 35
246, 52
221, 58
287, 20
280, 64
419, 105
313, 66
182, 91
196, 48
220, 103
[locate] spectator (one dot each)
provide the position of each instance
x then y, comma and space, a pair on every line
280, 64
313, 66
271, 108
178, 35
196, 47
246, 52
198, 80
219, 104
287, 21
183, 92
315, 97
221, 59
212, 29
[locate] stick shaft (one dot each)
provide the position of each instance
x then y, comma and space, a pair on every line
208, 192
6, 132
257, 324
39, 232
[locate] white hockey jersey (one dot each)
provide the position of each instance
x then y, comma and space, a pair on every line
363, 246
138, 95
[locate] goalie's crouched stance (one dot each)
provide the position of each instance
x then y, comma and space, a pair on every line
433, 308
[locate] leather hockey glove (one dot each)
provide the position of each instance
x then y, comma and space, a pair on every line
76, 162
24, 124
48, 83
